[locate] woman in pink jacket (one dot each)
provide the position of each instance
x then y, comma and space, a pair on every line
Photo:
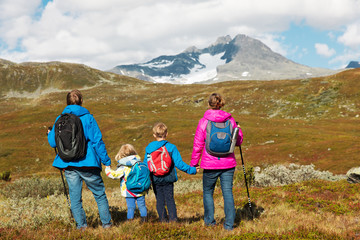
215, 167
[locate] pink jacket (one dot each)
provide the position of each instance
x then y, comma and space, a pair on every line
208, 161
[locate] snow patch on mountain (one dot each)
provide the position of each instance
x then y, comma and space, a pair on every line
245, 74
161, 64
198, 73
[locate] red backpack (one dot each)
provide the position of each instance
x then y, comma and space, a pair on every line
159, 161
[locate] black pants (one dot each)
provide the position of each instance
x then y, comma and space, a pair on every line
165, 196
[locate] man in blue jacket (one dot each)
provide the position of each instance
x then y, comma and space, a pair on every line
86, 169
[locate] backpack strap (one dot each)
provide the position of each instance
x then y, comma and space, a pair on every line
132, 194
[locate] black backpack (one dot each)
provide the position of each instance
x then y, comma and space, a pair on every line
69, 137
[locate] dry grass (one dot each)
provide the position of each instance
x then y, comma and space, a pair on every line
280, 218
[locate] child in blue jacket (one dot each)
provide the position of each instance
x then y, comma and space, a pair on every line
163, 186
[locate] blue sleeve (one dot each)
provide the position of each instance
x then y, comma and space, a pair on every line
95, 138
179, 163
51, 135
51, 138
145, 158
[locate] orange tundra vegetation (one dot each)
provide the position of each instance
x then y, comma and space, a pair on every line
308, 121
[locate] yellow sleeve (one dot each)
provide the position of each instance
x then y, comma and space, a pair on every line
115, 174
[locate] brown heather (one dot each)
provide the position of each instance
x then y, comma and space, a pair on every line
310, 121
306, 210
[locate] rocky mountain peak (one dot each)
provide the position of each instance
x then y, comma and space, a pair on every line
222, 40
191, 49
240, 58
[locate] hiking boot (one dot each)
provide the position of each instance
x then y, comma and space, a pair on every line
107, 226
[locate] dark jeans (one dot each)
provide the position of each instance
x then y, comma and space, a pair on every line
165, 196
226, 181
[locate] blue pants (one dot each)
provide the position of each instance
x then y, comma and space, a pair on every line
226, 181
131, 205
93, 180
165, 196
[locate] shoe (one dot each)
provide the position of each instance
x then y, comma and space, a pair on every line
107, 226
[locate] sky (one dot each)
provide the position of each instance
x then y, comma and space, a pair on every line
104, 34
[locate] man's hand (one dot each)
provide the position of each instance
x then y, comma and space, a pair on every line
49, 129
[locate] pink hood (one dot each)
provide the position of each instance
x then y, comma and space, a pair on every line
208, 161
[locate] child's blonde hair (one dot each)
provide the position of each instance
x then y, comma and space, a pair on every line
160, 130
125, 150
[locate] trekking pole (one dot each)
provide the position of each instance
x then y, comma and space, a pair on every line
65, 191
246, 184
62, 178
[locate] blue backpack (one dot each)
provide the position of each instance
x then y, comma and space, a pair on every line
220, 138
138, 179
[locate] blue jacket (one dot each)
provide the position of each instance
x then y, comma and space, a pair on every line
176, 158
95, 153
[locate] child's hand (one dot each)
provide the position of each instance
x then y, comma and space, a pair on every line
197, 169
107, 170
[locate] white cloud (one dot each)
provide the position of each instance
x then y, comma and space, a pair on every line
343, 60
324, 50
351, 37
106, 33
12, 9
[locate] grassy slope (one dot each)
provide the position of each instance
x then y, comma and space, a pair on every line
302, 121
308, 121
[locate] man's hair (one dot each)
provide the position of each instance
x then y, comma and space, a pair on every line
216, 101
125, 150
74, 97
160, 130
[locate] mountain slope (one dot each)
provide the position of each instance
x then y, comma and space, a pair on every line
35, 78
302, 121
241, 58
353, 64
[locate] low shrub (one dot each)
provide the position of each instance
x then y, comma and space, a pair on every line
32, 187
34, 212
186, 186
279, 175
5, 176
239, 177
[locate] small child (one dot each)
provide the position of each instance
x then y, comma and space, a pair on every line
164, 185
127, 157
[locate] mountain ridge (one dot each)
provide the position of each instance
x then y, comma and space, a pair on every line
353, 64
240, 58
34, 78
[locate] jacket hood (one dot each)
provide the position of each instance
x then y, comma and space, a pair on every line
129, 160
155, 145
217, 115
76, 109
